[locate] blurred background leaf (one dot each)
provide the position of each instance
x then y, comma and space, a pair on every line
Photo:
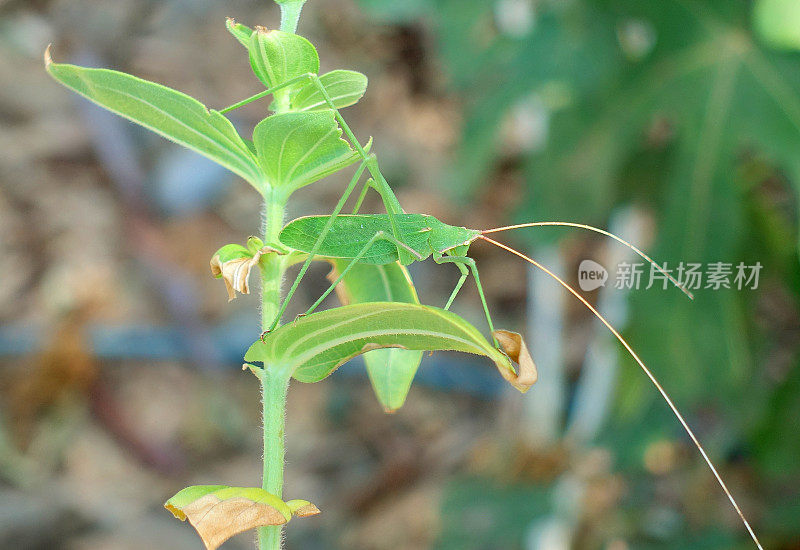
689, 110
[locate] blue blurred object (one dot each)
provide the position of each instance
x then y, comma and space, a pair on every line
448, 372
119, 154
184, 182
18, 340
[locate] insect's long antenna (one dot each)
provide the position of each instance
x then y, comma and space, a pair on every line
602, 232
649, 374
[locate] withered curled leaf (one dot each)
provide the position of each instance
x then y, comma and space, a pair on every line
218, 512
302, 508
515, 347
233, 264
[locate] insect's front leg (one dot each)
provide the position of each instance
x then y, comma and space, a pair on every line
370, 183
466, 262
464, 274
266, 92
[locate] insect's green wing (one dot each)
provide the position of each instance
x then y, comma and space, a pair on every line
346, 237
349, 234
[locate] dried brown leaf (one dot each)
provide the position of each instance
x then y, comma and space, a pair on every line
514, 346
303, 508
236, 272
217, 512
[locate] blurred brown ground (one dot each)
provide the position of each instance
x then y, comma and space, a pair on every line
92, 447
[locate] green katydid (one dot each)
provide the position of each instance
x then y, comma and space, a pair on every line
368, 239
459, 241
383, 239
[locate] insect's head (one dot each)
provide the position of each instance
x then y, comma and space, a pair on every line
460, 250
450, 239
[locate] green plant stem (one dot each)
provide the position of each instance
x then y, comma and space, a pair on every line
275, 381
290, 14
274, 387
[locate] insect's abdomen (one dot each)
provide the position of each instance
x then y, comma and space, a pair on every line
348, 235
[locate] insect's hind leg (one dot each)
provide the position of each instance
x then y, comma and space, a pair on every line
379, 236
388, 197
320, 239
461, 262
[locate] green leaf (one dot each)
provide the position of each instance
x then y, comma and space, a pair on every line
170, 113
277, 57
242, 33
344, 88
778, 23
390, 370
254, 244
231, 252
218, 512
296, 149
314, 346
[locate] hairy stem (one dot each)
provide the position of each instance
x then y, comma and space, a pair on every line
275, 381
274, 386
290, 14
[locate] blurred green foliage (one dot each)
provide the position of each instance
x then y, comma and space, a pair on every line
691, 110
477, 513
778, 22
